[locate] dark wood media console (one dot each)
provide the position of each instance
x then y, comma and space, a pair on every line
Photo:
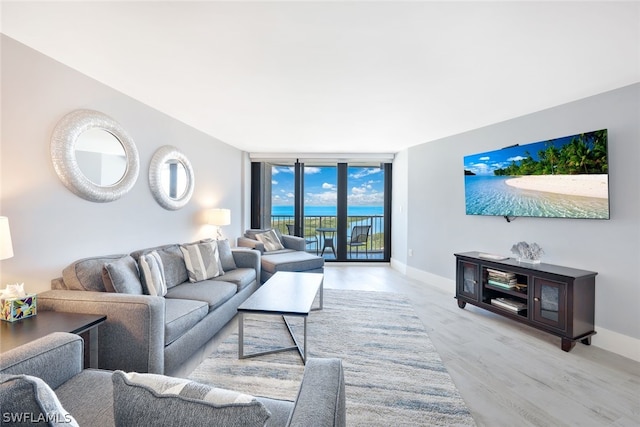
555, 299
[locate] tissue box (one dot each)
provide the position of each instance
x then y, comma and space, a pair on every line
18, 308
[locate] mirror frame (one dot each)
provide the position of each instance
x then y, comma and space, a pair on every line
63, 143
160, 157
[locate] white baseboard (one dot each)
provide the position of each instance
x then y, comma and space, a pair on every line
616, 342
612, 341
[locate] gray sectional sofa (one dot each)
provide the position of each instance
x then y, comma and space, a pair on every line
150, 333
44, 380
292, 257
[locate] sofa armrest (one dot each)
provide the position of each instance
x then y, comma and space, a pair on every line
54, 358
294, 242
246, 258
245, 242
131, 339
321, 398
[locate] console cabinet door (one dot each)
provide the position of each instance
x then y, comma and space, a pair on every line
468, 280
550, 303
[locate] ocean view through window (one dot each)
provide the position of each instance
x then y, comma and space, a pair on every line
326, 203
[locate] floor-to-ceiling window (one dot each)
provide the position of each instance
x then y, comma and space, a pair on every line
342, 209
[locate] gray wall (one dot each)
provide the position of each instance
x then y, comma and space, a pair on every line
438, 226
52, 227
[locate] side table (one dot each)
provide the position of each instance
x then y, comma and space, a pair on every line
15, 334
328, 233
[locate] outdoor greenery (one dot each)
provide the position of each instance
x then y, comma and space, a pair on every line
584, 154
312, 223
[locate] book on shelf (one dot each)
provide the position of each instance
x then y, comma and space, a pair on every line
499, 273
509, 304
501, 284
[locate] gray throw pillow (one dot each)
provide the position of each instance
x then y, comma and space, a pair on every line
155, 400
226, 256
27, 400
86, 274
122, 276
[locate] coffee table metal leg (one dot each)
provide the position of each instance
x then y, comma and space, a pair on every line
240, 335
304, 356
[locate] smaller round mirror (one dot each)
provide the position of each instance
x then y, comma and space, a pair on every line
171, 178
101, 157
174, 179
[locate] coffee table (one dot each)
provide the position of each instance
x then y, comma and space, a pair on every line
284, 294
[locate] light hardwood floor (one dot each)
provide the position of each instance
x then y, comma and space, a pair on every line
508, 374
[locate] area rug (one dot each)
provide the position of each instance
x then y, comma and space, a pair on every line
393, 373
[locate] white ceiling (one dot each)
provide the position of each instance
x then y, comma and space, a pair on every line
339, 76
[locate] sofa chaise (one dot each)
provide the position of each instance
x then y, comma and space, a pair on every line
43, 382
150, 328
281, 252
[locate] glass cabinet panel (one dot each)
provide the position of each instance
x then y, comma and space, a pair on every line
549, 302
468, 279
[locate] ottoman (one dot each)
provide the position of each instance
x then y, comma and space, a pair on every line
290, 261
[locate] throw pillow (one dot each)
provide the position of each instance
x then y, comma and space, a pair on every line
226, 256
122, 276
152, 400
152, 274
270, 240
28, 400
202, 261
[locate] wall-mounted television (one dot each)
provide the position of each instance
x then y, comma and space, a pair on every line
565, 177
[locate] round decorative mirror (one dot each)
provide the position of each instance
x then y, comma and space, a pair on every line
171, 178
93, 156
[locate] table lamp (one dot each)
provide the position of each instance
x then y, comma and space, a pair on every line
219, 217
6, 247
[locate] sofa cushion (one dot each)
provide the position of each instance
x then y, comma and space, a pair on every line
79, 394
226, 256
175, 271
241, 277
86, 274
152, 400
202, 260
180, 316
122, 276
152, 274
29, 400
270, 240
291, 261
214, 293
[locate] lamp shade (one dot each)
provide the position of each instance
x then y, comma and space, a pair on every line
219, 217
6, 247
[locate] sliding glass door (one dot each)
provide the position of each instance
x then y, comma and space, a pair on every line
365, 212
341, 209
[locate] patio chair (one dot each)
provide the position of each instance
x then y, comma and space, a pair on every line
359, 237
308, 240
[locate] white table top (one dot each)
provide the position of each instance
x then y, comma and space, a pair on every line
285, 293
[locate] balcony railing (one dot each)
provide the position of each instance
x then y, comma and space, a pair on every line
375, 243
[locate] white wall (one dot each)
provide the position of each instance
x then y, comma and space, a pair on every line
50, 226
438, 226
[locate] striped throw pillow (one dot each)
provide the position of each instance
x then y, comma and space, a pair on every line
270, 240
152, 274
153, 400
202, 261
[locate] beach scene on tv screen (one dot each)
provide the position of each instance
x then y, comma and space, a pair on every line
560, 178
